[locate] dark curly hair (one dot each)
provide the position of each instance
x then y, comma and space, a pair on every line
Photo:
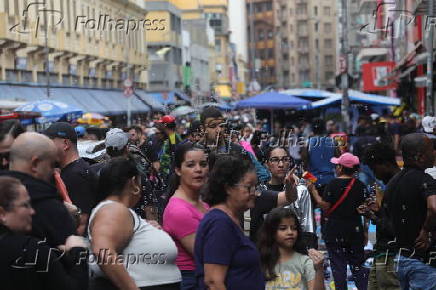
228, 170
267, 245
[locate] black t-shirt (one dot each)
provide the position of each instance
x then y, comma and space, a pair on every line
405, 202
344, 222
81, 184
275, 187
263, 205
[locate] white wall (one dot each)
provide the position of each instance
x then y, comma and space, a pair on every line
238, 27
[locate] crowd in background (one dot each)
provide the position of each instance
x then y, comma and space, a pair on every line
224, 201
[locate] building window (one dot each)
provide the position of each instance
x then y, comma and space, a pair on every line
304, 75
304, 61
218, 45
269, 6
302, 27
315, 10
270, 53
316, 26
327, 27
327, 11
285, 43
261, 34
303, 42
328, 43
328, 59
301, 9
258, 7
270, 34
317, 43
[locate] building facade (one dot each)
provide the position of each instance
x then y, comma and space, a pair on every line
306, 43
262, 43
84, 44
239, 40
165, 47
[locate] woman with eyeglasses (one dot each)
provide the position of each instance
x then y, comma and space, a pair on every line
275, 193
225, 258
27, 262
185, 208
278, 163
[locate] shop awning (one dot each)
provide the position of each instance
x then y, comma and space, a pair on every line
149, 100
223, 91
89, 100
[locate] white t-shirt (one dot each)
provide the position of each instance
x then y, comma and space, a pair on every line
431, 171
150, 256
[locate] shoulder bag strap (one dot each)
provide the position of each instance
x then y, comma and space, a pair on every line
342, 198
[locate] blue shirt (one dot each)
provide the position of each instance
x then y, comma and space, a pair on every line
321, 150
220, 241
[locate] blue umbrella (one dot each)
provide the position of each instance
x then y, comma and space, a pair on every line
51, 111
358, 97
272, 100
309, 93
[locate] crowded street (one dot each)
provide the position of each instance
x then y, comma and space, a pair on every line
217, 144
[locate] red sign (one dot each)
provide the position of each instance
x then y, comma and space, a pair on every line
376, 76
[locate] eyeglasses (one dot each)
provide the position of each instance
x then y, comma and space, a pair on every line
248, 188
277, 160
221, 124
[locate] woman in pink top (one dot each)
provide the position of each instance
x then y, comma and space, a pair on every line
185, 209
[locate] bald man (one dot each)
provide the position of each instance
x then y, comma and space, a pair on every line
33, 158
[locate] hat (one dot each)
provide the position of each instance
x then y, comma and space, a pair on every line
116, 138
346, 160
428, 123
195, 127
80, 131
61, 130
167, 119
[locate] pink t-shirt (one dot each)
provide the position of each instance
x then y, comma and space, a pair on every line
181, 219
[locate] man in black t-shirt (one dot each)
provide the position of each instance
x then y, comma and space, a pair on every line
381, 160
75, 171
410, 203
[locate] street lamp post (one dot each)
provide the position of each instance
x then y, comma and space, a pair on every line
429, 104
345, 100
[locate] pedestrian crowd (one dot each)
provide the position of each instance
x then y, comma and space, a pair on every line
222, 202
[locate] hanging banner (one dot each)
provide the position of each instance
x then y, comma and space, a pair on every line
376, 76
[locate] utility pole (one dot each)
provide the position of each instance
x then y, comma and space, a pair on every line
252, 42
344, 51
47, 53
429, 104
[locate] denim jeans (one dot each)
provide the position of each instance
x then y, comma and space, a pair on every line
414, 274
188, 280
